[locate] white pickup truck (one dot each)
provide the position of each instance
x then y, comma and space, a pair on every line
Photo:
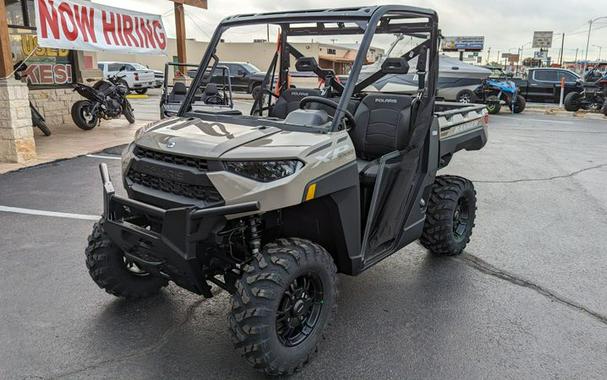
137, 77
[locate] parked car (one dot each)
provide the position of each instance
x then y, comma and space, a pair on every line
244, 76
159, 77
544, 84
136, 77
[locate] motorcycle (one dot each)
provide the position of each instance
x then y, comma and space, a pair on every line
493, 92
592, 95
106, 99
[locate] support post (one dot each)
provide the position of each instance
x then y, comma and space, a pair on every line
16, 134
180, 34
562, 49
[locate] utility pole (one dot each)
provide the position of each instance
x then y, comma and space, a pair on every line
498, 56
562, 48
600, 48
268, 32
488, 54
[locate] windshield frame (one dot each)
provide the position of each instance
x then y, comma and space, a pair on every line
367, 20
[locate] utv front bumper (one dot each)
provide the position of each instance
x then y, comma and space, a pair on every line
171, 243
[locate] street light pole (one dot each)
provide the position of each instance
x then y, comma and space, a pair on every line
562, 48
588, 40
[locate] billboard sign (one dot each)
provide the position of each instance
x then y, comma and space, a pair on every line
469, 43
542, 40
83, 25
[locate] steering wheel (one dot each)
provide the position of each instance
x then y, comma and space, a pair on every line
215, 99
329, 103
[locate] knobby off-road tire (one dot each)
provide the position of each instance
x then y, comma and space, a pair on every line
572, 101
450, 216
107, 267
275, 277
519, 104
493, 105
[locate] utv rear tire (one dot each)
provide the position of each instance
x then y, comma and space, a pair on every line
267, 304
493, 105
450, 216
572, 102
141, 91
107, 267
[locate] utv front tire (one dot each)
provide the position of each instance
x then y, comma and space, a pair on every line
283, 302
450, 216
110, 271
572, 101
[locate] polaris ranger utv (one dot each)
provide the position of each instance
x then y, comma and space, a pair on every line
271, 206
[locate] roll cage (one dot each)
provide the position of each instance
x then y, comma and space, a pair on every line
368, 21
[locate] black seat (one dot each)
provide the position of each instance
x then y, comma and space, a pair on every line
289, 101
178, 93
382, 126
211, 95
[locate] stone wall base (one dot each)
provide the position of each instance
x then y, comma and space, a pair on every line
16, 133
55, 105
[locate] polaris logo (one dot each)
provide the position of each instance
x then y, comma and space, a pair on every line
299, 93
386, 101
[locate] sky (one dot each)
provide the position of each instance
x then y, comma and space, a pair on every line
506, 25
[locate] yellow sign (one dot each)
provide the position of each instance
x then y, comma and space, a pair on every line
30, 42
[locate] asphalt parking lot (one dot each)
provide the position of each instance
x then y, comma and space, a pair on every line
528, 298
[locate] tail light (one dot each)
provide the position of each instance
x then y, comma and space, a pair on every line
486, 119
136, 76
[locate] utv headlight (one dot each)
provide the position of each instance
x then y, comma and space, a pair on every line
264, 171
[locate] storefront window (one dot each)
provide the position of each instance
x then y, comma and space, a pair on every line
43, 66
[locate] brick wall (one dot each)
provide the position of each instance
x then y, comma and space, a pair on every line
55, 104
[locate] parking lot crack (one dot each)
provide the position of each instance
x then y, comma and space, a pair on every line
162, 340
546, 179
485, 267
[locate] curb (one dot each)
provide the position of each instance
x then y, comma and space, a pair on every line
563, 113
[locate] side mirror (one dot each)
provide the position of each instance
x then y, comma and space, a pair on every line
242, 73
122, 68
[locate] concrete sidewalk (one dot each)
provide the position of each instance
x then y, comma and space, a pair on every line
68, 142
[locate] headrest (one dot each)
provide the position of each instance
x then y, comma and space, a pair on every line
293, 94
211, 89
180, 88
375, 101
306, 64
395, 65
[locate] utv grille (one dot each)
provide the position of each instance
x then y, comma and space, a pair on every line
205, 193
197, 163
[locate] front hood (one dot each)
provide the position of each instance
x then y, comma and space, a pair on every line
195, 137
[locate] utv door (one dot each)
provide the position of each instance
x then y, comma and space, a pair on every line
397, 211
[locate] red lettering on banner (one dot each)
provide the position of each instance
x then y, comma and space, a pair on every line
109, 28
66, 14
127, 22
119, 29
136, 26
148, 33
86, 22
48, 20
160, 37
